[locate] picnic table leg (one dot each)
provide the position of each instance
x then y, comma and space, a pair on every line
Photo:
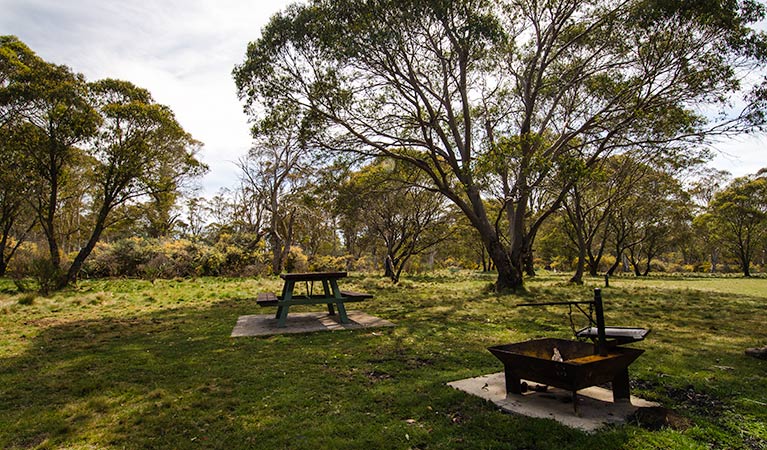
328, 293
287, 295
340, 303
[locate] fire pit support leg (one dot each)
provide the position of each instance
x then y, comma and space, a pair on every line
621, 387
512, 382
575, 403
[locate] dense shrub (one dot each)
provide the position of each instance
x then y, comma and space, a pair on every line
297, 261
320, 263
364, 264
153, 258
31, 262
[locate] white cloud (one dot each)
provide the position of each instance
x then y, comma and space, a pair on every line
740, 156
182, 51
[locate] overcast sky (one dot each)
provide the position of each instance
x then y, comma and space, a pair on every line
183, 51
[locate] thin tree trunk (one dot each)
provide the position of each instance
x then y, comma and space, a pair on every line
390, 267
615, 265
529, 263
276, 253
577, 277
98, 228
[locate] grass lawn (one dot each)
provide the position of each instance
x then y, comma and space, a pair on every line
130, 364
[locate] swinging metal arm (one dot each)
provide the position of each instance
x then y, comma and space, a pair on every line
590, 302
598, 309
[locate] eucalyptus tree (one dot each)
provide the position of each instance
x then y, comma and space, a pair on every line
650, 219
139, 146
388, 199
54, 101
107, 143
238, 213
17, 64
499, 98
590, 203
16, 218
739, 214
277, 169
705, 238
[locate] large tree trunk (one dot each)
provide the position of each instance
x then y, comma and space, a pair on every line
746, 264
615, 265
3, 244
508, 262
510, 276
274, 237
388, 266
647, 266
593, 268
74, 270
634, 260
50, 230
745, 258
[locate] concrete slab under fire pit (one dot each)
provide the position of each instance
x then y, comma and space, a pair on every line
595, 404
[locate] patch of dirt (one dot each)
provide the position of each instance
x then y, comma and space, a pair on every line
703, 403
419, 362
376, 376
755, 443
657, 417
48, 322
686, 397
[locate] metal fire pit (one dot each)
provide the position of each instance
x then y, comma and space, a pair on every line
581, 365
580, 368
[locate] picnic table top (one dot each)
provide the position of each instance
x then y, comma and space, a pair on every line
312, 276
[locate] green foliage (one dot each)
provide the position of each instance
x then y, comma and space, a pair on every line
46, 274
739, 217
26, 299
384, 204
464, 92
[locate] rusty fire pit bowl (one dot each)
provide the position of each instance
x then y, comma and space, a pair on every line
580, 367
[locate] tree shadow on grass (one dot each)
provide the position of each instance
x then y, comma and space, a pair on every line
175, 379
169, 379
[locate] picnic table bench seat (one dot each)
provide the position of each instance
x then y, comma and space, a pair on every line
267, 299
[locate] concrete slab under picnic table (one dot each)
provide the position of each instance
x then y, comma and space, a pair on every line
266, 324
595, 404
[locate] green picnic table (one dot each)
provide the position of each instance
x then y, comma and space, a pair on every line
330, 294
